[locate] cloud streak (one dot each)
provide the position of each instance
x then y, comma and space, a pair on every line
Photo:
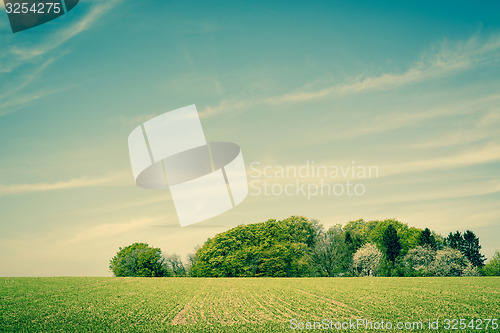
113, 179
443, 60
34, 59
487, 154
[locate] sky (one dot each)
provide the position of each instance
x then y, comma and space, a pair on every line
408, 88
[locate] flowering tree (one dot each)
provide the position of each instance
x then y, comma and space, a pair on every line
418, 260
366, 260
451, 262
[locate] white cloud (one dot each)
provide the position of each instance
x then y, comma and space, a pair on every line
32, 59
397, 119
434, 194
445, 59
112, 229
487, 154
112, 179
453, 139
492, 118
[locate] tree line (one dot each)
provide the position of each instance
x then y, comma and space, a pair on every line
300, 247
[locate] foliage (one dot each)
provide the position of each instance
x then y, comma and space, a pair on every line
366, 260
450, 262
332, 252
492, 268
174, 266
138, 259
468, 244
417, 260
391, 243
454, 240
427, 239
471, 249
271, 248
470, 270
364, 232
297, 247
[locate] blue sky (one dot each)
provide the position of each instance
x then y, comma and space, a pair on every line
412, 88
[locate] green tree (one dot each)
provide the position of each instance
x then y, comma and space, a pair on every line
492, 268
455, 241
468, 244
391, 243
271, 248
427, 239
138, 259
332, 252
417, 261
471, 249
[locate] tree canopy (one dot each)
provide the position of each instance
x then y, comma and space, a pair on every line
468, 244
391, 243
492, 268
297, 246
138, 259
427, 239
271, 248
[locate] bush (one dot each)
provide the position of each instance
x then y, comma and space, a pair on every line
492, 268
417, 261
450, 262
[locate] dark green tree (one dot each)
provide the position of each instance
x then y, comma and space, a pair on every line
454, 240
468, 244
391, 244
427, 239
138, 259
471, 249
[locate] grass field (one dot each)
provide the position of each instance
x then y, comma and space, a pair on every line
240, 304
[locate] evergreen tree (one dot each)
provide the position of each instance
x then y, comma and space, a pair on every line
427, 239
391, 243
470, 248
455, 240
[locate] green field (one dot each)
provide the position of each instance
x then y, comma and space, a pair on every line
239, 304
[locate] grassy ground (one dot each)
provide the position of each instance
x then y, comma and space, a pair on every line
241, 304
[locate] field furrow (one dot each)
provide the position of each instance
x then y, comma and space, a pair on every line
236, 304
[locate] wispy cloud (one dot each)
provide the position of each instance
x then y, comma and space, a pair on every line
113, 179
454, 139
97, 10
279, 172
412, 116
112, 229
492, 118
132, 121
27, 63
487, 154
434, 194
122, 205
444, 59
